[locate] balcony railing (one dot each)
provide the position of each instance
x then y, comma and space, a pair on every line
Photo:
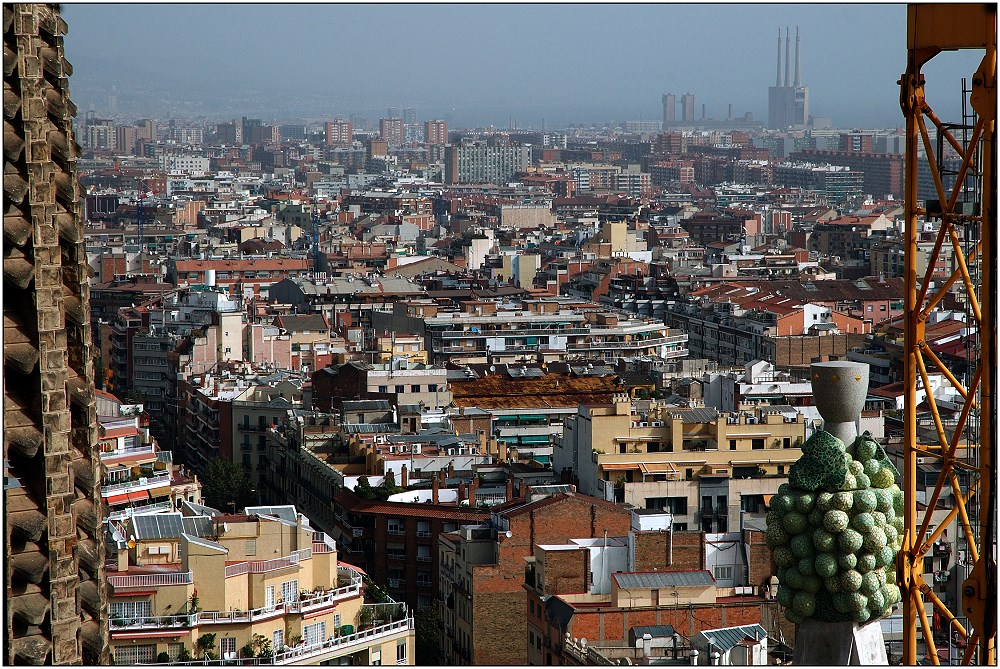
145, 449
304, 653
154, 481
305, 605
264, 566
146, 508
150, 580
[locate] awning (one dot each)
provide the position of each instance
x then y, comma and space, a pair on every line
163, 491
767, 500
138, 495
656, 467
615, 466
534, 439
117, 499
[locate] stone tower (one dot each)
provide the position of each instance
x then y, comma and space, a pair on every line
54, 603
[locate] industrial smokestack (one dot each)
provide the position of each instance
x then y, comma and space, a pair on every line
788, 56
777, 77
798, 78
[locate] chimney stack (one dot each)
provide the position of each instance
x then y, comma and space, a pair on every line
434, 490
510, 488
788, 56
404, 477
798, 79
461, 492
777, 78
473, 487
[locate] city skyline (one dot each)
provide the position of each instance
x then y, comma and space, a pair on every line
552, 65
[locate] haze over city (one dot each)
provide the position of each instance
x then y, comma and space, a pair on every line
525, 65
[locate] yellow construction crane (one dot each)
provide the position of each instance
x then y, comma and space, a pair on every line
968, 465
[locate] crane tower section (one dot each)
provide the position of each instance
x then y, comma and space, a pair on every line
963, 450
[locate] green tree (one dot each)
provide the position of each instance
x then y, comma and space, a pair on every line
427, 635
389, 483
364, 489
225, 483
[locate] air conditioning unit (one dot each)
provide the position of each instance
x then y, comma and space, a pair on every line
392, 449
643, 424
657, 423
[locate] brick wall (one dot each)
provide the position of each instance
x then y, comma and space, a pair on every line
502, 638
566, 571
613, 624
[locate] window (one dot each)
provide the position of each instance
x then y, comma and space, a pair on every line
314, 633
278, 639
432, 387
227, 646
786, 443
251, 547
290, 591
732, 444
415, 388
269, 595
400, 652
399, 389
129, 610
757, 444
174, 651
723, 573
132, 654
336, 620
383, 389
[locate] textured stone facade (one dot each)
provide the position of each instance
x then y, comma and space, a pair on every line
55, 589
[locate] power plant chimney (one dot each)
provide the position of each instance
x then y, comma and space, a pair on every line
777, 78
788, 56
798, 78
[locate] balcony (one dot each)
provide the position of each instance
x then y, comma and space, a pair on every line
311, 653
151, 580
264, 566
315, 602
144, 483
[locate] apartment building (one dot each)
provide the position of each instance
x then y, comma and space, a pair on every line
243, 276
436, 131
402, 382
557, 328
838, 183
481, 595
612, 591
396, 542
136, 476
707, 468
259, 584
339, 132
484, 163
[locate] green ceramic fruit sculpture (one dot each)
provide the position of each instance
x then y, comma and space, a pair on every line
834, 530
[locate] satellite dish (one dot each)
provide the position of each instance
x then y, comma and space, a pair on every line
509, 534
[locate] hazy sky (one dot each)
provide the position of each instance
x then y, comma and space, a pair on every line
488, 63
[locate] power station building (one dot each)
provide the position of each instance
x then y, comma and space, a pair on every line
788, 100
